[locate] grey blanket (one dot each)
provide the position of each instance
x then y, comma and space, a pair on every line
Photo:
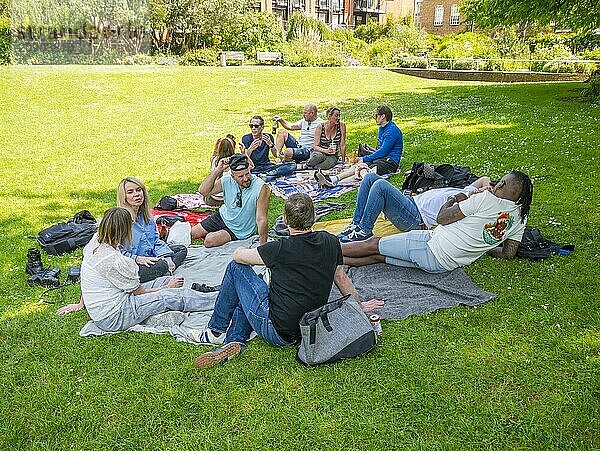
408, 291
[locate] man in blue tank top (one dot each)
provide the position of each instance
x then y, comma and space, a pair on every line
245, 206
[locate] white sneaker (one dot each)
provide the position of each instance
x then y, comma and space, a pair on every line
205, 337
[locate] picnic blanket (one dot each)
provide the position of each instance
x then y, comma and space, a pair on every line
406, 291
304, 182
410, 291
382, 227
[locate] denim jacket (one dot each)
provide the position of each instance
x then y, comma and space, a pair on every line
145, 241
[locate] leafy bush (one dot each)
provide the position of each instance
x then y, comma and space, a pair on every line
592, 90
413, 61
508, 43
5, 44
556, 52
370, 31
200, 57
254, 32
302, 25
305, 52
461, 50
138, 59
586, 42
354, 50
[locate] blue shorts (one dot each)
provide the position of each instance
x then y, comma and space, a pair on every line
299, 153
410, 249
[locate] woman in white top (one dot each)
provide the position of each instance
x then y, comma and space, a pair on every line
110, 285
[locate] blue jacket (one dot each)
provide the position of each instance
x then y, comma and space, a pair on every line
145, 241
389, 144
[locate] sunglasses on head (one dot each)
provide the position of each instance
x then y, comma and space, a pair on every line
238, 199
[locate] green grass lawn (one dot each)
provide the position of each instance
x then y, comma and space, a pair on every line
520, 372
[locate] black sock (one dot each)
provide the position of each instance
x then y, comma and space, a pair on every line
216, 334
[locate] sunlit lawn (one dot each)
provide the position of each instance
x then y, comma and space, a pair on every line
522, 371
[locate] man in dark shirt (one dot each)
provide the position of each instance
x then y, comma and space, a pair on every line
303, 269
256, 145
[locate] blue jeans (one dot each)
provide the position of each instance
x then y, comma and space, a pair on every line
376, 195
298, 153
273, 171
137, 308
410, 250
243, 306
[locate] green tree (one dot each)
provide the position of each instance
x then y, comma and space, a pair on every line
577, 14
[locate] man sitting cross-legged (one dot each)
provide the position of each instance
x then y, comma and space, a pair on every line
376, 195
303, 268
245, 204
489, 221
297, 150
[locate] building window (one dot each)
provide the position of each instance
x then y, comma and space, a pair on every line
454, 15
418, 8
438, 19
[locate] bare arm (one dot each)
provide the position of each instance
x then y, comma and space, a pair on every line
317, 141
507, 251
262, 209
175, 282
285, 124
450, 212
70, 308
212, 184
482, 182
343, 142
247, 256
345, 285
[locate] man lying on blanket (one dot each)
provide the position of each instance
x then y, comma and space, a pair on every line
303, 269
245, 204
488, 221
406, 212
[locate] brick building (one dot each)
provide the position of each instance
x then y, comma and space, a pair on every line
439, 16
346, 13
433, 16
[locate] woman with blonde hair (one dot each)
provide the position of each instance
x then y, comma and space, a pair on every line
153, 256
330, 142
110, 286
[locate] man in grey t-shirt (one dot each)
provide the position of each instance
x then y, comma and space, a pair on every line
297, 150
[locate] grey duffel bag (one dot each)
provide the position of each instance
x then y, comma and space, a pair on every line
335, 331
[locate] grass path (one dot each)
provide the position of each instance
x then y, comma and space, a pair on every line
520, 372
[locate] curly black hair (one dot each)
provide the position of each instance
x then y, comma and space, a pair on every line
524, 200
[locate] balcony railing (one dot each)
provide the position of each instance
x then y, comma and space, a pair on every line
368, 5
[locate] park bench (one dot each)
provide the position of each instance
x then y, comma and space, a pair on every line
273, 57
232, 56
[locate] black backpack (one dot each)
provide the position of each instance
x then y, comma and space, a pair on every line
67, 236
535, 247
423, 177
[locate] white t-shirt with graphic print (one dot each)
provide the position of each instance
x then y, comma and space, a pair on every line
488, 222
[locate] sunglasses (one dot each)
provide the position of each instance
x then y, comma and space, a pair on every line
255, 125
238, 199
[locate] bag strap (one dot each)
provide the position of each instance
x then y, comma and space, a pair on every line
313, 332
325, 321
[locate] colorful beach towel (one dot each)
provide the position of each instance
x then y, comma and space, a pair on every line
304, 182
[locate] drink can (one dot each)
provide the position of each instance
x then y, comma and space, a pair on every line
376, 324
274, 128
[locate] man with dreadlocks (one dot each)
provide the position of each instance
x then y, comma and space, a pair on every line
492, 220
